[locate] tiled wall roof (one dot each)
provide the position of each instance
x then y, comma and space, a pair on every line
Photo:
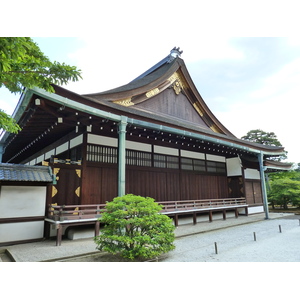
16, 172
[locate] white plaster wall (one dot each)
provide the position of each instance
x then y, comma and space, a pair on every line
22, 201
102, 140
40, 159
10, 232
252, 174
62, 148
191, 154
138, 146
234, 167
255, 210
76, 141
49, 153
215, 158
166, 150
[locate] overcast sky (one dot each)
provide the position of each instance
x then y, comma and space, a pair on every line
248, 82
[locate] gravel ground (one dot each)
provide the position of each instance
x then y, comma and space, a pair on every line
237, 244
234, 244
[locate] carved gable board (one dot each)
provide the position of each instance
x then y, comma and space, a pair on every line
173, 105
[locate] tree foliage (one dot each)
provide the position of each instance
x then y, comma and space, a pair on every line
284, 191
23, 64
134, 228
265, 138
7, 123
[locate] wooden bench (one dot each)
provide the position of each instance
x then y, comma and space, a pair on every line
187, 207
63, 216
73, 215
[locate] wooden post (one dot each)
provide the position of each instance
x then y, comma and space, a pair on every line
210, 216
97, 228
280, 228
195, 218
176, 220
224, 214
59, 235
236, 212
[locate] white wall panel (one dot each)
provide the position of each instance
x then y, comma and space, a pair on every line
62, 148
22, 201
192, 154
252, 174
138, 146
234, 167
10, 232
255, 210
166, 150
215, 158
102, 140
76, 141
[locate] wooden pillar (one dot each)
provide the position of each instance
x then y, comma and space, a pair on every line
97, 228
210, 216
176, 220
236, 212
224, 214
58, 235
195, 218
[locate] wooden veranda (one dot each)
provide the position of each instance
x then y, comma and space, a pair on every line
62, 216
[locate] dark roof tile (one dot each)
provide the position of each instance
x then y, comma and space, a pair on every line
16, 172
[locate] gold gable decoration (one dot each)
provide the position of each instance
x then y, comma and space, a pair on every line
214, 128
198, 109
77, 191
178, 82
124, 102
152, 93
54, 191
78, 172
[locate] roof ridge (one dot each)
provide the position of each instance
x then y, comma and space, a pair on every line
174, 53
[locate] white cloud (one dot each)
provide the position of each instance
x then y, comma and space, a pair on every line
109, 62
274, 107
285, 80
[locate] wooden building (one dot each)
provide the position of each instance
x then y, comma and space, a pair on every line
154, 136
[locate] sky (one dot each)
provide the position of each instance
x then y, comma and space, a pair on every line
243, 61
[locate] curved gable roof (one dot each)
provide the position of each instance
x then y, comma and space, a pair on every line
168, 73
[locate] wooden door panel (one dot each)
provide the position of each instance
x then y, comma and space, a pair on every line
67, 190
257, 192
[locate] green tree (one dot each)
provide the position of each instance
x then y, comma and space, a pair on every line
23, 64
134, 228
265, 138
284, 191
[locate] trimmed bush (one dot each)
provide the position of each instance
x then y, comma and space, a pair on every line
134, 228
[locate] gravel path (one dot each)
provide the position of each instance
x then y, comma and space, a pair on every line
237, 244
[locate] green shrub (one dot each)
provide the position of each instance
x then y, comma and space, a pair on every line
134, 228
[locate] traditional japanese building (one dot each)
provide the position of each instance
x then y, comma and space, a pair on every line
154, 136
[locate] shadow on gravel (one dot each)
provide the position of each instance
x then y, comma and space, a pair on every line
101, 257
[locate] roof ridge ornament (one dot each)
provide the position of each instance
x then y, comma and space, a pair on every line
175, 52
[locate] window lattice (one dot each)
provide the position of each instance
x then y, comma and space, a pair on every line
102, 154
